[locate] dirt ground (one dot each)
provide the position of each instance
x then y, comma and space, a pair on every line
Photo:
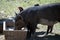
39, 34
49, 37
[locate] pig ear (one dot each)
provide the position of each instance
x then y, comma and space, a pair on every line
36, 5
15, 13
20, 8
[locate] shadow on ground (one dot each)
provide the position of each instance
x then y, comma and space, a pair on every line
49, 37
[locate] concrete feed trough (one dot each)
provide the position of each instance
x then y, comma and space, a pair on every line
11, 34
15, 35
